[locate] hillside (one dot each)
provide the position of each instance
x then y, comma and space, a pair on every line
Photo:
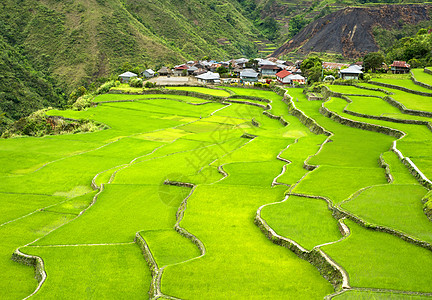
350, 31
79, 41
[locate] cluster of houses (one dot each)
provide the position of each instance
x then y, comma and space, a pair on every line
249, 72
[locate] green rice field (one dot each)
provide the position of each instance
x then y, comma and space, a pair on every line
165, 203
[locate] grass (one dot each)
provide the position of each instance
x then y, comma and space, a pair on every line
202, 90
307, 221
347, 89
395, 206
237, 251
379, 260
153, 140
406, 83
68, 270
366, 295
422, 76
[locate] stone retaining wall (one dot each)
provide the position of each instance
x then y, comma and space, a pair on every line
173, 92
422, 84
32, 261
271, 116
305, 120
248, 103
401, 88
339, 213
361, 125
364, 87
315, 257
154, 269
386, 167
249, 98
426, 70
427, 208
421, 178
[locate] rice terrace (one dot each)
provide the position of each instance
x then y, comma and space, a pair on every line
226, 193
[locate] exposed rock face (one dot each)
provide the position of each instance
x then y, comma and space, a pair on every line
349, 31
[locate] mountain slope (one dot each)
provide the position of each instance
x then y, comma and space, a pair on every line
80, 40
349, 31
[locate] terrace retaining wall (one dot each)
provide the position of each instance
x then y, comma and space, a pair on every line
154, 269
401, 88
422, 84
421, 178
271, 116
361, 125
249, 98
427, 202
173, 92
386, 167
248, 103
305, 120
364, 87
32, 261
339, 213
316, 257
426, 70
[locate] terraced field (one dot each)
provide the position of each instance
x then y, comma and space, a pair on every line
226, 193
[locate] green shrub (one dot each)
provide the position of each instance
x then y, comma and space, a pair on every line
149, 85
104, 88
136, 82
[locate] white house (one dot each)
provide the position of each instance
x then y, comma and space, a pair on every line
209, 77
249, 75
283, 77
297, 78
351, 72
125, 77
149, 73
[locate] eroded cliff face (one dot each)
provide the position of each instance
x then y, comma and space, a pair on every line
349, 31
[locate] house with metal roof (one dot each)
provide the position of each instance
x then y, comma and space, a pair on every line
209, 77
399, 67
352, 72
180, 70
249, 75
125, 77
149, 73
269, 70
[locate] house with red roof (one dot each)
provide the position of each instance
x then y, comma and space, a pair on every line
180, 70
400, 67
283, 77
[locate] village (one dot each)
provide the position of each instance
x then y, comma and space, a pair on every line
252, 72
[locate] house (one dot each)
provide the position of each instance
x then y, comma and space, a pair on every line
352, 72
269, 70
249, 75
164, 71
283, 77
333, 66
400, 67
199, 71
125, 77
297, 78
180, 70
191, 70
209, 77
237, 71
149, 73
241, 62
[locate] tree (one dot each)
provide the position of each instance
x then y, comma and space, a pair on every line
221, 70
373, 61
312, 68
